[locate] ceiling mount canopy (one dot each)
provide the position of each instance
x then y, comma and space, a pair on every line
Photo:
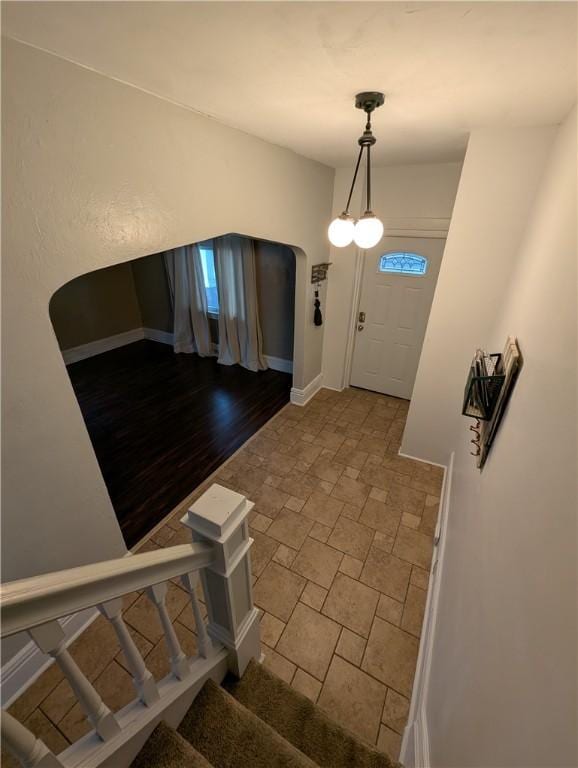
368, 230
369, 100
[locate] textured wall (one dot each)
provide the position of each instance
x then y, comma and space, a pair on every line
498, 184
502, 690
98, 173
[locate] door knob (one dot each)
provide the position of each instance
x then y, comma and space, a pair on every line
359, 327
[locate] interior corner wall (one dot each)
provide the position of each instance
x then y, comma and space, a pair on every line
500, 178
94, 306
404, 192
502, 679
152, 291
275, 272
97, 173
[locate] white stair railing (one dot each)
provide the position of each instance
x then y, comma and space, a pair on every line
218, 521
29, 602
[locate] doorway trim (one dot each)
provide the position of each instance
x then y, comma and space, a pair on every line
418, 227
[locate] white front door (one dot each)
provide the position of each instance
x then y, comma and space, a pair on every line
398, 284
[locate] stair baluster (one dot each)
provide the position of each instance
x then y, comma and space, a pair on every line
190, 582
35, 605
142, 678
30, 751
50, 639
180, 666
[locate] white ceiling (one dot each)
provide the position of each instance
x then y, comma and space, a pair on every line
288, 71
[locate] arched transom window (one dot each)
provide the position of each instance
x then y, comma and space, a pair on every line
401, 263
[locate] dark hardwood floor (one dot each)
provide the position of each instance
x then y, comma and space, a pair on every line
160, 423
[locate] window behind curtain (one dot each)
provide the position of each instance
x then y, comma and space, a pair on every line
209, 274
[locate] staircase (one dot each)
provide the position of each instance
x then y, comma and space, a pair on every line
258, 721
219, 709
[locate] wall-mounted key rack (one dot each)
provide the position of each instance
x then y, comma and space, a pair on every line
483, 386
489, 386
319, 272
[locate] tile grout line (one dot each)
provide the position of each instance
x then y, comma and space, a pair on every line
341, 427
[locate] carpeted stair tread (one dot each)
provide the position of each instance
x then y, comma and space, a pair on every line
165, 748
230, 736
303, 723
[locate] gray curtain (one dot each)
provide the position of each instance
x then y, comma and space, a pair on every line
191, 323
240, 339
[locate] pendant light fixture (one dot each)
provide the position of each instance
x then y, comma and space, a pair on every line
368, 231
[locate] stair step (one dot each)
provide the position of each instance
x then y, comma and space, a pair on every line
230, 736
165, 748
303, 723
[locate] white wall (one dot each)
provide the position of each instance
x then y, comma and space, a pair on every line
499, 181
97, 173
503, 684
401, 195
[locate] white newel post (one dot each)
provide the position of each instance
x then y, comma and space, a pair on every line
219, 517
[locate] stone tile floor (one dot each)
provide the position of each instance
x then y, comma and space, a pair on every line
343, 529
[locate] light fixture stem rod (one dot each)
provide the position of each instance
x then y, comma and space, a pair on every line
354, 180
368, 179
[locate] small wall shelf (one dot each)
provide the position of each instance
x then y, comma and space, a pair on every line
483, 386
490, 383
319, 272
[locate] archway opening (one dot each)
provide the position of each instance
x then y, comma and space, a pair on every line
163, 407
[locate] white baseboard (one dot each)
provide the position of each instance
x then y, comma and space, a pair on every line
74, 354
275, 363
29, 663
416, 458
303, 396
154, 334
421, 742
415, 751
278, 364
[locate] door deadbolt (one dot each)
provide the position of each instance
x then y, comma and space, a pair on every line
362, 317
